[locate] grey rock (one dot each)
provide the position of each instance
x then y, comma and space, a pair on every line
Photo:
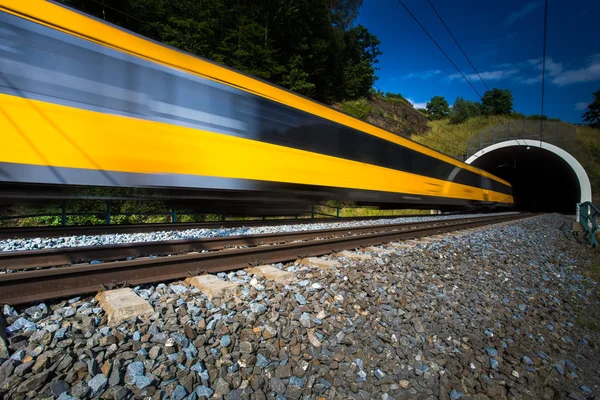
179, 393
277, 385
262, 361
80, 390
97, 384
258, 308
58, 387
65, 396
295, 381
21, 324
203, 391
454, 395
142, 382
225, 340
134, 371
222, 387
305, 320
300, 299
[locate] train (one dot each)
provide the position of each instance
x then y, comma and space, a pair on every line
86, 104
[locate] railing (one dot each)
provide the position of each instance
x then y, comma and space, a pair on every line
553, 132
173, 215
587, 216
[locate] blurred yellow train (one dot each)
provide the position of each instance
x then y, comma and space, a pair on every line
86, 103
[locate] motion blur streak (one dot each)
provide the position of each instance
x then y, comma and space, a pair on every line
85, 113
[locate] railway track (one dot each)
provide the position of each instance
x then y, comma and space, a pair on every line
37, 285
56, 231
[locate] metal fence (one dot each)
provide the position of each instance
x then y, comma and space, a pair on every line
553, 132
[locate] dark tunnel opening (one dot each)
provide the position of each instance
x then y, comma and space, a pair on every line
542, 181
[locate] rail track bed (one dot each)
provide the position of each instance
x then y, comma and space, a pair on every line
499, 302
26, 285
55, 231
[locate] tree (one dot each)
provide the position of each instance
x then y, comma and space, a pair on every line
463, 110
308, 46
592, 115
438, 107
497, 102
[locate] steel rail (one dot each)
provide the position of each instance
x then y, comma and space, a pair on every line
72, 230
30, 286
29, 259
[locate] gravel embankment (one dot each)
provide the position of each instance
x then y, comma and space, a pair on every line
118, 238
496, 313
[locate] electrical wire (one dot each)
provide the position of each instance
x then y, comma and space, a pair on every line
543, 68
460, 47
449, 59
111, 8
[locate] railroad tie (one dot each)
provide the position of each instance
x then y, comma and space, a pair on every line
123, 304
214, 287
354, 256
273, 274
320, 263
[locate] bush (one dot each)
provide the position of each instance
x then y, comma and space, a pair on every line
357, 108
537, 117
438, 108
462, 110
497, 102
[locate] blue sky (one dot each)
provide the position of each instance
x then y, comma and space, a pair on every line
503, 39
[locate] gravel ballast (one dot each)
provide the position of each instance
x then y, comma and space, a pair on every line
496, 313
119, 238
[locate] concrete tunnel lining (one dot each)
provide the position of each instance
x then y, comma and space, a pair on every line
585, 190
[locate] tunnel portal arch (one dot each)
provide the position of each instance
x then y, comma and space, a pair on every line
538, 166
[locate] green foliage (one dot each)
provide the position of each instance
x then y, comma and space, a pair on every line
308, 46
516, 115
360, 109
463, 110
592, 115
497, 102
297, 79
537, 117
438, 108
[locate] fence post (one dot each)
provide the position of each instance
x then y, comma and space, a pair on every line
494, 135
223, 217
337, 214
523, 132
64, 212
556, 123
312, 212
107, 212
173, 215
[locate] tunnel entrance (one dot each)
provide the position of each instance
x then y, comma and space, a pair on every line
543, 178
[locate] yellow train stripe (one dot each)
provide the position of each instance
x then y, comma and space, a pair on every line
79, 25
42, 133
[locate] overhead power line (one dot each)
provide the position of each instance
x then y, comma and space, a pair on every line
449, 59
543, 68
460, 47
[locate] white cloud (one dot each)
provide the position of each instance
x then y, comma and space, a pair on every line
589, 73
488, 75
529, 8
582, 105
552, 68
417, 105
530, 81
422, 75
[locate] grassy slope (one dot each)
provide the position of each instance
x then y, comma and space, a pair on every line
452, 140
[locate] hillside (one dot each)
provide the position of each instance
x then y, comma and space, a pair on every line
396, 114
450, 138
390, 111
